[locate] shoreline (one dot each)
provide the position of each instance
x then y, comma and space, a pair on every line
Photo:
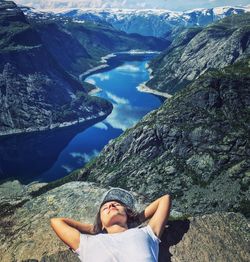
94, 91
103, 64
145, 89
104, 61
55, 126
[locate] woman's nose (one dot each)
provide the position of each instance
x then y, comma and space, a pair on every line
111, 204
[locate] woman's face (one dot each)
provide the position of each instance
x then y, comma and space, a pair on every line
113, 212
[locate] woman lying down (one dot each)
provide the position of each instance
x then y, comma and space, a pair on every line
114, 235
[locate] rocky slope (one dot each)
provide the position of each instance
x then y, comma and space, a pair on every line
196, 50
37, 102
196, 146
35, 92
25, 233
152, 22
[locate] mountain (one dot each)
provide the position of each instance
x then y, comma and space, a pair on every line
85, 43
35, 92
152, 22
196, 147
39, 87
194, 51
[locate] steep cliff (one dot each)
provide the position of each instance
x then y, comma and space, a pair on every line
196, 50
35, 91
196, 146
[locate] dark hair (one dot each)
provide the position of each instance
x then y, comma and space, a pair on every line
132, 220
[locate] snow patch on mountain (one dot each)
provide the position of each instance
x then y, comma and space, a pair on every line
150, 22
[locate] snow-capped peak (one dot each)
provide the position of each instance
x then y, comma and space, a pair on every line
152, 22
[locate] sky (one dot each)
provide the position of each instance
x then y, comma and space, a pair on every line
176, 5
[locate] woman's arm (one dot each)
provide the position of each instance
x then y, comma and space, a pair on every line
68, 230
158, 213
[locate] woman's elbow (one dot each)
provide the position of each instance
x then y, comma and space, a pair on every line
168, 198
54, 221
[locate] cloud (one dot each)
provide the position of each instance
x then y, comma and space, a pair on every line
165, 4
84, 157
128, 69
117, 99
60, 4
67, 168
102, 77
124, 116
101, 125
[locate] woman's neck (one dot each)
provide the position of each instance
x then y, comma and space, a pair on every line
116, 228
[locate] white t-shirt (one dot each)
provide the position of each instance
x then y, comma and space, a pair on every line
138, 244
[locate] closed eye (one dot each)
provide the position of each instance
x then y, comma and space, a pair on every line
114, 204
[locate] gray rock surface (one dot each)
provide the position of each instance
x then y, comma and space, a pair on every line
26, 235
26, 232
216, 237
11, 191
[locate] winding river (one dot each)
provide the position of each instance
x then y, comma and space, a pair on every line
47, 156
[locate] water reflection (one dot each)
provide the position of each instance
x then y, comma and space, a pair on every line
25, 156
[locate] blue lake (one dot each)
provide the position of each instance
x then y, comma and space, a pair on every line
46, 156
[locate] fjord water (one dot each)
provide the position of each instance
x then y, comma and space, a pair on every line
46, 156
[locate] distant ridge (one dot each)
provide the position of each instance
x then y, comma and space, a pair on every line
151, 22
